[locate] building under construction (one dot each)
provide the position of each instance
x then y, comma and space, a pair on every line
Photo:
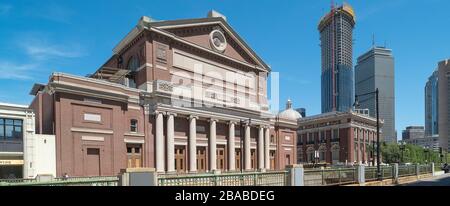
336, 36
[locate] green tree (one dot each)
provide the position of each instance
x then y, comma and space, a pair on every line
391, 153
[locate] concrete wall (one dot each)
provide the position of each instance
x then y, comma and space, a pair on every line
42, 156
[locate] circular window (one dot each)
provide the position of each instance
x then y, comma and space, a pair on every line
218, 40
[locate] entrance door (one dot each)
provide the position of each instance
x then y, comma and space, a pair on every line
180, 159
11, 171
272, 160
221, 158
253, 159
238, 159
201, 159
134, 155
93, 162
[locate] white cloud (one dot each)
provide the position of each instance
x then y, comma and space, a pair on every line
42, 50
9, 70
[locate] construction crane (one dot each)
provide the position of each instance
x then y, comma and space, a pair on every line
333, 65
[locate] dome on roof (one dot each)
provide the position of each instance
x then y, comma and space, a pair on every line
289, 113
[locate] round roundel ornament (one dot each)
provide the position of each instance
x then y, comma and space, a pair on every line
218, 40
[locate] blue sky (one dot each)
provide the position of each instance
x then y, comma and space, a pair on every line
40, 37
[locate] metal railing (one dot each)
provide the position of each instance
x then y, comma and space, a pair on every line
425, 169
370, 174
71, 181
406, 170
274, 178
324, 177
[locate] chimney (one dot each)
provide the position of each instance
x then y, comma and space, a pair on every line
214, 14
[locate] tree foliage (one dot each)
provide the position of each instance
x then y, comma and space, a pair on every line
393, 153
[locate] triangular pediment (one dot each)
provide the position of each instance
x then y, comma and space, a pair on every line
199, 32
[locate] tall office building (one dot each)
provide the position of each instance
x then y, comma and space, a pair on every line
336, 36
431, 106
443, 103
375, 69
302, 111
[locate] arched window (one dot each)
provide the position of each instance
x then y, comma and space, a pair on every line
335, 156
310, 154
300, 155
133, 65
322, 152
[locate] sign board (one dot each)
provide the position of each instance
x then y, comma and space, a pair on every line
11, 162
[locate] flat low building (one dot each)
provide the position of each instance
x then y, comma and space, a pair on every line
336, 138
431, 142
23, 154
181, 96
413, 132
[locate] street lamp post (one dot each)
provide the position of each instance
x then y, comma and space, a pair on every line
402, 148
426, 154
356, 104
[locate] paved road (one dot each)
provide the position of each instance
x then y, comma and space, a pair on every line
442, 180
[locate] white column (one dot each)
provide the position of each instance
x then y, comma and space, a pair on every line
212, 145
231, 147
266, 148
261, 148
248, 162
159, 142
170, 143
192, 144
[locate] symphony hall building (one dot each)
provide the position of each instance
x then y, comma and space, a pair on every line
181, 96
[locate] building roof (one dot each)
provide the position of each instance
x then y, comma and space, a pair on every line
36, 88
13, 105
147, 23
344, 9
289, 113
379, 51
338, 114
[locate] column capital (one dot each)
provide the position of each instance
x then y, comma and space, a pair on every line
232, 122
213, 120
171, 114
156, 112
264, 126
192, 117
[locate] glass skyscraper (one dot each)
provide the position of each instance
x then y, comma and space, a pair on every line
336, 36
431, 106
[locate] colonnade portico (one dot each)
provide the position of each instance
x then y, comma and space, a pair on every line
165, 145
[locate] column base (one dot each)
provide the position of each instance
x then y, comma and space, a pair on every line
171, 172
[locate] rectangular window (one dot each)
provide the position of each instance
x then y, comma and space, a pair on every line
11, 129
133, 125
336, 134
322, 136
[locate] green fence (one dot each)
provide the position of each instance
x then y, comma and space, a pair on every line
323, 177
425, 169
277, 178
72, 181
406, 170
